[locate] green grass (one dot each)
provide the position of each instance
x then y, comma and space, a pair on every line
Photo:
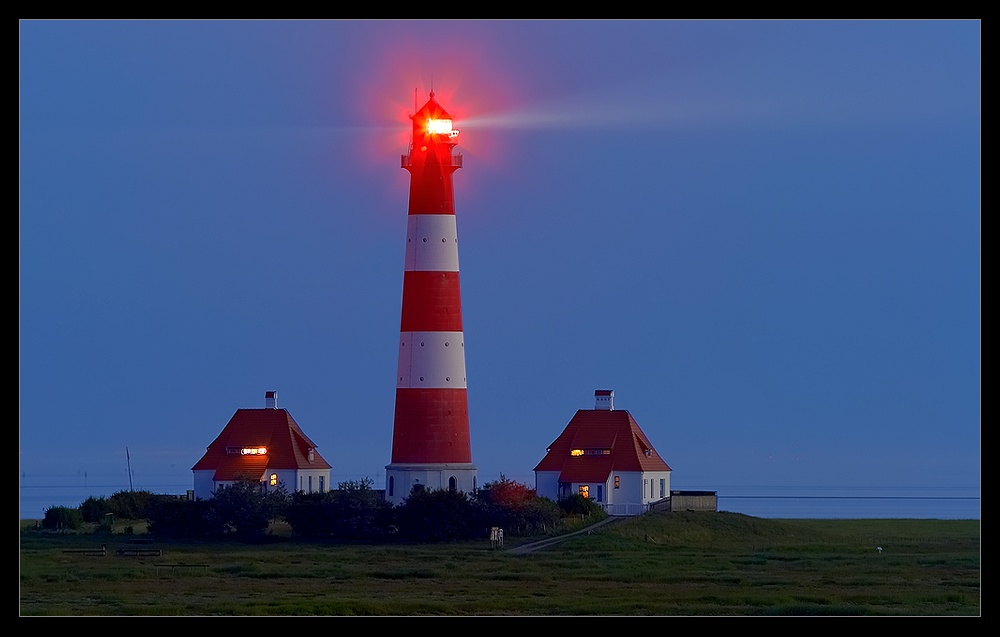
657, 564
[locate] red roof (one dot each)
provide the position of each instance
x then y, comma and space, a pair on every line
609, 440
275, 429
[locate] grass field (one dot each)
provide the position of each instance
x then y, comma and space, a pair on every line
677, 564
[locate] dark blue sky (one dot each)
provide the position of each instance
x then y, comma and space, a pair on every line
764, 236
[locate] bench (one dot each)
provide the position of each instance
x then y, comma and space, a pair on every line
173, 566
95, 552
139, 552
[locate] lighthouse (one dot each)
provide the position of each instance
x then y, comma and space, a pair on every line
431, 446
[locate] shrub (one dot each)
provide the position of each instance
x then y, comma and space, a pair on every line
179, 518
95, 510
131, 505
309, 514
515, 507
353, 511
438, 516
62, 518
506, 493
245, 509
576, 504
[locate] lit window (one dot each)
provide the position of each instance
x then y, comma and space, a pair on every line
585, 490
274, 479
576, 452
441, 127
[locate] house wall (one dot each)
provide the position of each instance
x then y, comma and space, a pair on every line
629, 490
599, 491
652, 487
634, 488
300, 480
205, 484
547, 484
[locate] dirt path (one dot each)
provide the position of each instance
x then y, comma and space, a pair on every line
524, 549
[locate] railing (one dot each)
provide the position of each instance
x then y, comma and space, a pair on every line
625, 509
456, 160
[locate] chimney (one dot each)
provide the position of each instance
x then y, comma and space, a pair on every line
271, 400
604, 399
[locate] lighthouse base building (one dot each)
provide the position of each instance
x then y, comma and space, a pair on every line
402, 479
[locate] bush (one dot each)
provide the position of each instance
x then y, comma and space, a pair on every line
353, 511
516, 508
310, 515
245, 509
95, 510
62, 518
179, 518
438, 516
576, 504
131, 505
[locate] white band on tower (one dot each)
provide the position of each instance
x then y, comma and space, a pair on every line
431, 360
431, 243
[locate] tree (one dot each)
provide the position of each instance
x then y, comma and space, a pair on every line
180, 518
62, 518
507, 493
515, 507
131, 505
576, 504
245, 509
437, 516
359, 512
353, 511
95, 510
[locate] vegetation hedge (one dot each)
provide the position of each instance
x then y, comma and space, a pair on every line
354, 512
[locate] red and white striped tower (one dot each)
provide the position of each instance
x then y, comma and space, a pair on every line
430, 433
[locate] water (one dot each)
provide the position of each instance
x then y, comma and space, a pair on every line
945, 503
